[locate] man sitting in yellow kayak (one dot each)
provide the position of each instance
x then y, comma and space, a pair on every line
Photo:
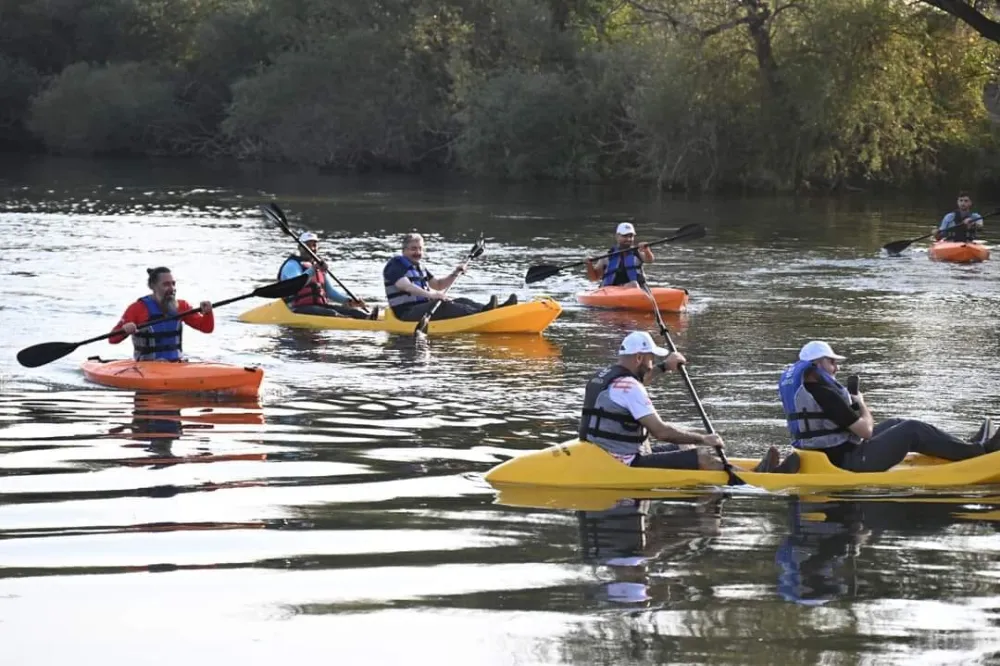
623, 269
618, 415
316, 296
411, 289
161, 342
961, 224
825, 416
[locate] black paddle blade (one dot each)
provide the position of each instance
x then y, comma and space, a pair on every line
282, 289
896, 246
733, 479
689, 231
276, 215
46, 352
539, 273
683, 231
422, 325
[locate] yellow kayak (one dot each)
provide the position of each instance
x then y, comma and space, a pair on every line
578, 464
530, 317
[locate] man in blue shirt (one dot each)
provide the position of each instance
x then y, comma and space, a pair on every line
318, 296
411, 289
961, 224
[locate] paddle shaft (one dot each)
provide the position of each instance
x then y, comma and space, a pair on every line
173, 317
680, 233
538, 273
726, 465
425, 320
283, 223
46, 352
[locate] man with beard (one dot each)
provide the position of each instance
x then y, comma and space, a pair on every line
961, 224
161, 342
623, 269
619, 417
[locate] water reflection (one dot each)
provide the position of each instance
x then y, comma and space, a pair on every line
159, 420
819, 560
638, 538
616, 323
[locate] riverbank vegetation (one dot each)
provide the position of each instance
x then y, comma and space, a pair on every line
685, 94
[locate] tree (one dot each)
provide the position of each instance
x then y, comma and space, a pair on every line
972, 15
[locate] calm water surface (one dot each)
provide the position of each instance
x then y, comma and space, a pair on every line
342, 518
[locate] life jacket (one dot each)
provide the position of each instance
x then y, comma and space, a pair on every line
160, 342
808, 424
958, 232
417, 275
313, 292
622, 268
608, 424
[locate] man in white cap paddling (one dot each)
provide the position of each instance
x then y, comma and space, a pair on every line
824, 415
623, 269
318, 296
618, 415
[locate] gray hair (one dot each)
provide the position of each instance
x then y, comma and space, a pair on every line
410, 237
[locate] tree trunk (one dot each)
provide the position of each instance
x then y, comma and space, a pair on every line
777, 103
968, 14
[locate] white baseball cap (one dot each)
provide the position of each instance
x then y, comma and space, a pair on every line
817, 349
307, 236
625, 228
640, 342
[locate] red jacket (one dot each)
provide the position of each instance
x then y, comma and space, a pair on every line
138, 315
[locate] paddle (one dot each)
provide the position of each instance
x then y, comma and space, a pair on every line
46, 352
543, 271
734, 480
277, 215
421, 327
895, 247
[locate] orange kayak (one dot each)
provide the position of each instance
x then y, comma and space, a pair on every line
961, 253
633, 298
185, 376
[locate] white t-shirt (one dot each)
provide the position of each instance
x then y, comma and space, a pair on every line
629, 393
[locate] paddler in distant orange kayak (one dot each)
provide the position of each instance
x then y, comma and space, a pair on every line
960, 225
161, 342
623, 269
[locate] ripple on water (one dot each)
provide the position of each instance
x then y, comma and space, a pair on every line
349, 497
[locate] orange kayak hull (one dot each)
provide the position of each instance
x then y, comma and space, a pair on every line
960, 253
185, 376
633, 298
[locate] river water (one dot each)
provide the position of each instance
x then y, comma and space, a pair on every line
342, 517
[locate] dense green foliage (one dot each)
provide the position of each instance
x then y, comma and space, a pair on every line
693, 94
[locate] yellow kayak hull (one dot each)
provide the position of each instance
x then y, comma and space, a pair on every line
596, 499
531, 317
578, 464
